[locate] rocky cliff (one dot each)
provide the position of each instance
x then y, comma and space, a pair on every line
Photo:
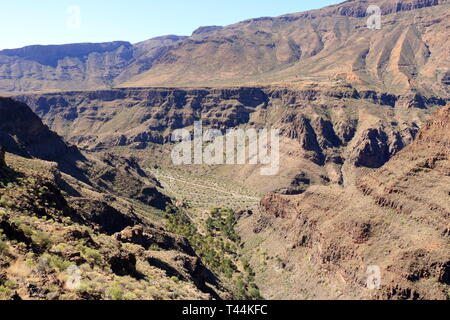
22, 132
326, 131
320, 245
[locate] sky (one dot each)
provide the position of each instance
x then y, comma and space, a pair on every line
28, 22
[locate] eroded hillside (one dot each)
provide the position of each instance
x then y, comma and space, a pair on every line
77, 226
328, 45
319, 245
333, 44
89, 185
77, 66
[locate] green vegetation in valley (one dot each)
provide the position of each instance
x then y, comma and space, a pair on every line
218, 245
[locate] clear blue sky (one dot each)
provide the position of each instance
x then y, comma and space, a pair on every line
26, 22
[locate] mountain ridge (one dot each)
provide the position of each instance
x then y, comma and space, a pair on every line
299, 47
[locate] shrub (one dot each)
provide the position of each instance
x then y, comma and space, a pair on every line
129, 296
26, 229
254, 294
4, 248
5, 293
154, 247
5, 202
90, 254
30, 262
116, 293
59, 263
42, 239
43, 190
10, 285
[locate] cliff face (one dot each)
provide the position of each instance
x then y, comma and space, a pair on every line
396, 218
77, 66
325, 131
22, 132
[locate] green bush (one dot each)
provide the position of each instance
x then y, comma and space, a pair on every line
130, 296
42, 239
43, 190
4, 248
5, 202
116, 293
90, 254
5, 293
59, 263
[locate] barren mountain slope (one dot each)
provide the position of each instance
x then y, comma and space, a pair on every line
328, 45
332, 44
54, 226
77, 66
320, 244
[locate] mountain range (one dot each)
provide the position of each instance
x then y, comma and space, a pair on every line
409, 53
87, 179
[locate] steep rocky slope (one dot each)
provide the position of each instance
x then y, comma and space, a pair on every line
62, 237
77, 66
328, 45
97, 226
54, 246
23, 133
332, 44
319, 245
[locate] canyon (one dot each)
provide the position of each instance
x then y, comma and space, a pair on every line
364, 173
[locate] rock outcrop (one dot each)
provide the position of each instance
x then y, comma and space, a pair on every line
22, 132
